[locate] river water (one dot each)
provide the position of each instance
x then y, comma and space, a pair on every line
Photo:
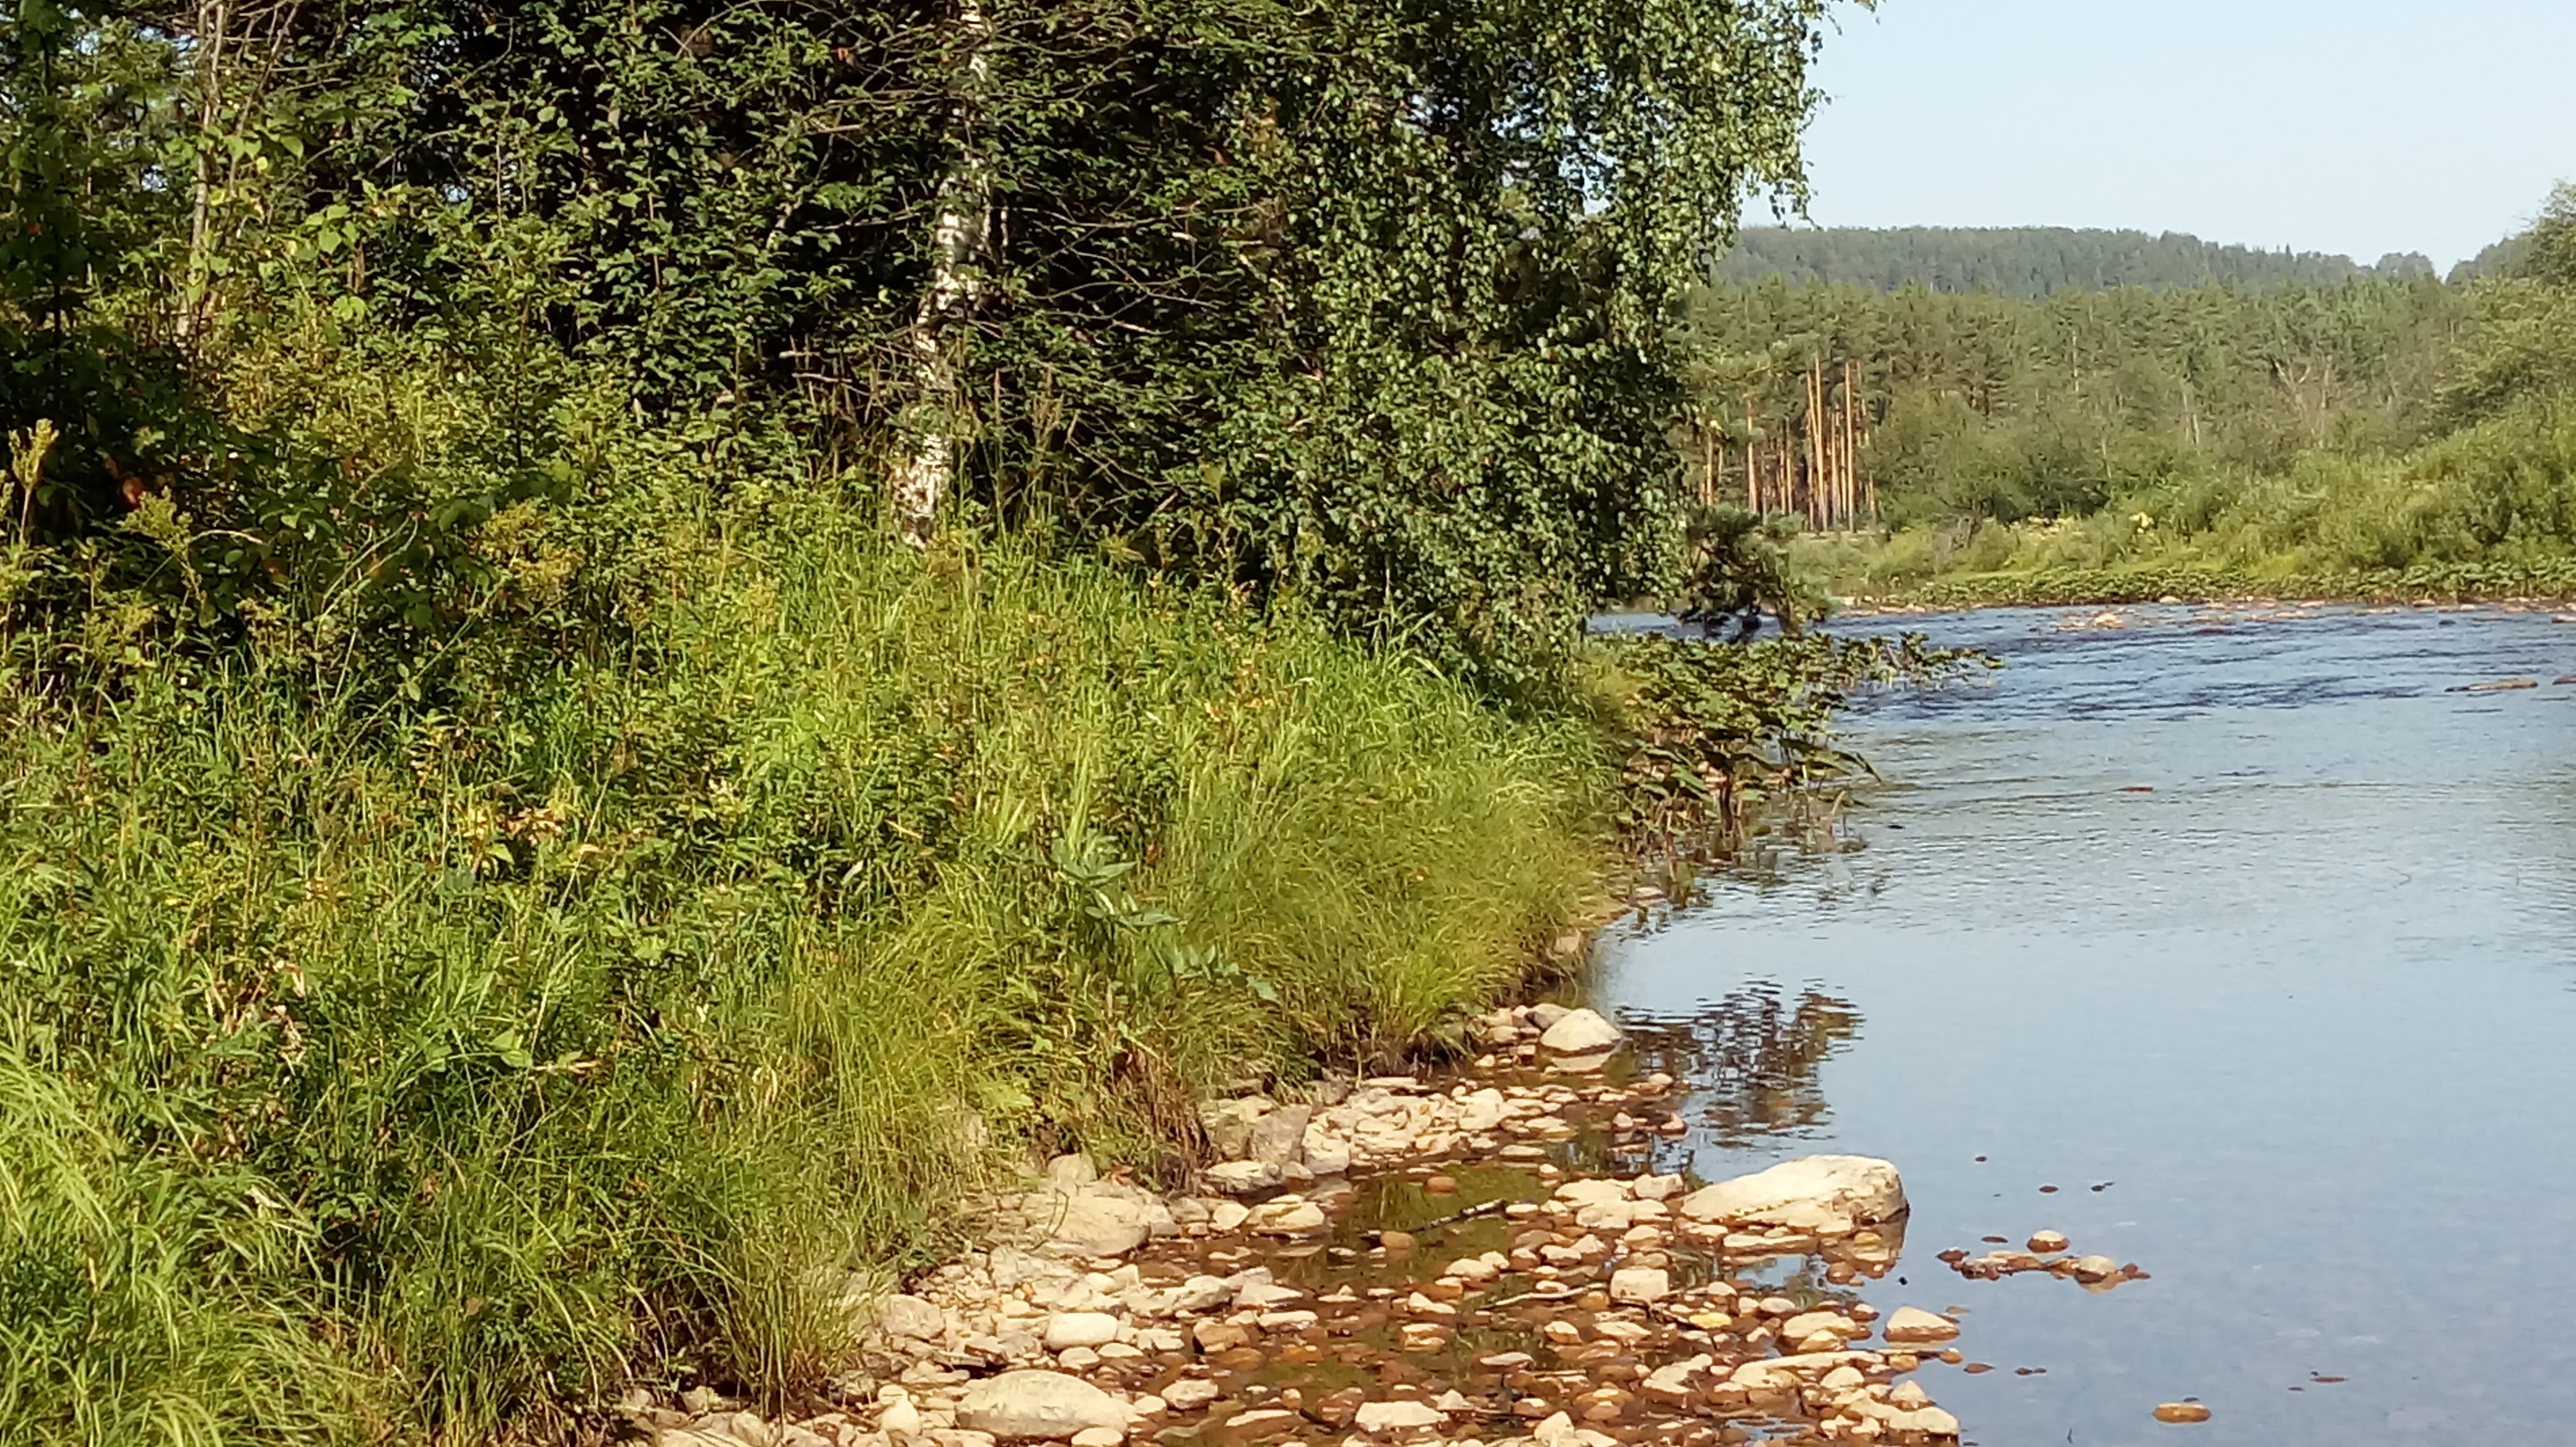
2251, 938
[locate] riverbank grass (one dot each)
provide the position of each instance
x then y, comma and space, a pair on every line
376, 1073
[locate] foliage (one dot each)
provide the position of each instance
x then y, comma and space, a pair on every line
1360, 303
2029, 261
421, 1074
1711, 727
1737, 566
1984, 406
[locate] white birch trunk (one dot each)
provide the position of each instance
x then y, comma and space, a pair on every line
960, 239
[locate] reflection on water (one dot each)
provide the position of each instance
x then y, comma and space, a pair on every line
1752, 1057
2263, 932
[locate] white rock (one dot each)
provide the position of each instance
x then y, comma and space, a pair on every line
1656, 1188
1229, 1124
1068, 1329
1287, 1218
1189, 1394
1580, 1032
1556, 1431
1913, 1324
1640, 1284
1203, 1293
1037, 1404
1327, 1153
1279, 1138
1378, 1417
1263, 1295
1242, 1178
900, 1417
1228, 1215
1930, 1421
913, 1317
1099, 1437
1592, 1192
1093, 1221
1805, 1193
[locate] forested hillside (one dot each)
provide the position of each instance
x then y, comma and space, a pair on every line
640, 642
2028, 261
2310, 432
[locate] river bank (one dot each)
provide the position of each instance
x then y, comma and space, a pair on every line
1485, 1257
2536, 586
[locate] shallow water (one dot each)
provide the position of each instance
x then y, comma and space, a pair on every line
2305, 1013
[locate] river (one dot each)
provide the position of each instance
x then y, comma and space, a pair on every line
2248, 935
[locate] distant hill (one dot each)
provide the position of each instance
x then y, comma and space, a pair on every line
2029, 261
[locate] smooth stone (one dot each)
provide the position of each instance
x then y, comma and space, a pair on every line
1088, 1222
1048, 1406
1190, 1394
1098, 1437
1069, 1329
1580, 1032
1242, 1178
2045, 1241
1805, 1193
1930, 1421
1913, 1324
1656, 1188
1377, 1417
1640, 1284
2182, 1412
1287, 1218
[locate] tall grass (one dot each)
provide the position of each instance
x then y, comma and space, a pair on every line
432, 1074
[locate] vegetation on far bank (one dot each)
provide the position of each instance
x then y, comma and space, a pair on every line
2378, 438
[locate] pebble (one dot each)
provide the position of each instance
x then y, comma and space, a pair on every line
2182, 1412
2047, 1241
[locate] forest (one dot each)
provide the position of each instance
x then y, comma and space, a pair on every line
2337, 436
645, 644
2029, 261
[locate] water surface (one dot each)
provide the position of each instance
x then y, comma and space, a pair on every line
2250, 922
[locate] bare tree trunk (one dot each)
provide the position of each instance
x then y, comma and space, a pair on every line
213, 20
960, 242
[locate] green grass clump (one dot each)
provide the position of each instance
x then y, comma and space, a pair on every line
374, 1073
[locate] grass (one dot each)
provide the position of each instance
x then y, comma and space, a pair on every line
432, 1075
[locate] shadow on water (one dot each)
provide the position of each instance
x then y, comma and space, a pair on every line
1752, 1057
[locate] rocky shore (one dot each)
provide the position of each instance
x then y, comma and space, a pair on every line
1524, 1300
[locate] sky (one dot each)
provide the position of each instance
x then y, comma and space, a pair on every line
2357, 126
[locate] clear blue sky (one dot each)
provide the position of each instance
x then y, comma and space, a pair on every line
2355, 126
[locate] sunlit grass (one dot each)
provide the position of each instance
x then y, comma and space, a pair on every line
368, 1072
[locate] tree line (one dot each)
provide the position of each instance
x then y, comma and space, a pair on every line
2031, 261
1365, 304
2007, 407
